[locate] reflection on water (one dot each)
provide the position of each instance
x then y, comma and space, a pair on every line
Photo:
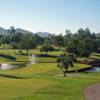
6, 66
10, 66
93, 69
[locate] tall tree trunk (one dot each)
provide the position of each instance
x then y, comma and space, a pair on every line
65, 73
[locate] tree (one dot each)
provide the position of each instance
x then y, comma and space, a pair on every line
46, 48
48, 40
98, 44
37, 39
88, 46
82, 43
12, 30
74, 46
26, 43
14, 46
16, 37
5, 40
65, 61
58, 41
68, 35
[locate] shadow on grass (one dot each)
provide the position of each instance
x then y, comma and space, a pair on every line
12, 76
46, 55
8, 57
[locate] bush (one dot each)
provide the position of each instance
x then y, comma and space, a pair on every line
47, 48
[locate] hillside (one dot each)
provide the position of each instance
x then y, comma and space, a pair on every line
19, 30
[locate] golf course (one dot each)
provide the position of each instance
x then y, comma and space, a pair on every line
43, 80
49, 50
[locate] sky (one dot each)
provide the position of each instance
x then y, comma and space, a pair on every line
54, 16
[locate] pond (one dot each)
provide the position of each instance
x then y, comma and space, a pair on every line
7, 66
93, 69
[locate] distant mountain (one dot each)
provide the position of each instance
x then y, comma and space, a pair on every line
19, 30
3, 31
43, 34
98, 35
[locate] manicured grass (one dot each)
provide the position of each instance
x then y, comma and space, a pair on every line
10, 88
78, 66
67, 89
22, 58
43, 81
10, 52
40, 68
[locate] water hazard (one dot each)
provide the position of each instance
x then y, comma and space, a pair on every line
93, 69
6, 66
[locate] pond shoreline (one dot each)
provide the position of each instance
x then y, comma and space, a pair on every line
93, 64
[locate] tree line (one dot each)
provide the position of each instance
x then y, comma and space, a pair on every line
82, 43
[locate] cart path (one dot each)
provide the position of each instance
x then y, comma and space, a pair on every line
92, 92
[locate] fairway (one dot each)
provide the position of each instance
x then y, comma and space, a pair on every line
11, 88
42, 81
